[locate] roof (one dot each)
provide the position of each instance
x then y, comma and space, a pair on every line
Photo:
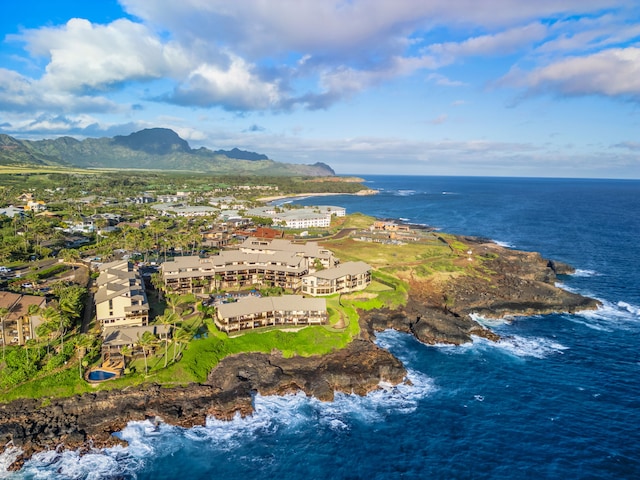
229, 260
18, 304
255, 305
343, 269
309, 249
118, 336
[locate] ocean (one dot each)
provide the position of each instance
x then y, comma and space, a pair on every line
557, 397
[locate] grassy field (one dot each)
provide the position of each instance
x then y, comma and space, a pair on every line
34, 170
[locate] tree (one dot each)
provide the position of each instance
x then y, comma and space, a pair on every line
180, 337
167, 319
146, 341
3, 315
82, 343
173, 302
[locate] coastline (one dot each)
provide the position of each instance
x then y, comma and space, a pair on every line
297, 196
522, 283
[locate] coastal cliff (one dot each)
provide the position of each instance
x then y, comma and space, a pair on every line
439, 309
89, 421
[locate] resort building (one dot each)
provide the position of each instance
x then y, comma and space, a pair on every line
233, 270
311, 251
256, 312
121, 299
182, 210
299, 218
17, 325
344, 278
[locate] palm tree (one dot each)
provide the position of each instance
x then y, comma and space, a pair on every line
46, 329
157, 282
166, 319
173, 302
147, 340
180, 337
3, 315
125, 350
82, 343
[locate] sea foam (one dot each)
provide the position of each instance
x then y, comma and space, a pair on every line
503, 244
610, 316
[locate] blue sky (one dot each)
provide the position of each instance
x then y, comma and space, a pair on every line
425, 87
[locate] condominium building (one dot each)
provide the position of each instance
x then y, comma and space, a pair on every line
310, 250
255, 312
234, 270
344, 278
121, 299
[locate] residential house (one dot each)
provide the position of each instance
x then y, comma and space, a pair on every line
18, 326
115, 338
12, 211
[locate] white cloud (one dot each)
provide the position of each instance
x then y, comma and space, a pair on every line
439, 120
589, 34
87, 56
21, 94
235, 88
614, 72
501, 43
443, 81
338, 27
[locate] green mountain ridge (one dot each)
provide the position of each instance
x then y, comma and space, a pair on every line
153, 149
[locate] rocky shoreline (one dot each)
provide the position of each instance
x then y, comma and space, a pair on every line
513, 283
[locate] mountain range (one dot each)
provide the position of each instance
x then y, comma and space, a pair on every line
152, 148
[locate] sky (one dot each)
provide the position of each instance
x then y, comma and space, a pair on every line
545, 88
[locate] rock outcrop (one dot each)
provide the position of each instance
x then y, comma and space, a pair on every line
506, 283
89, 421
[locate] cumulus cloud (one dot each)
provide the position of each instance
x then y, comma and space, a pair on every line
338, 27
83, 56
50, 125
277, 55
22, 94
613, 72
237, 87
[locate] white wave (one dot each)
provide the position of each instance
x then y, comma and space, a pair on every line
298, 413
635, 310
536, 347
70, 464
503, 244
610, 316
581, 272
405, 193
7, 457
491, 322
514, 345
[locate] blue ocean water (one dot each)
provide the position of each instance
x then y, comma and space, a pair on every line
558, 397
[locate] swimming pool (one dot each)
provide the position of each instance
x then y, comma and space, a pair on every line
100, 375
